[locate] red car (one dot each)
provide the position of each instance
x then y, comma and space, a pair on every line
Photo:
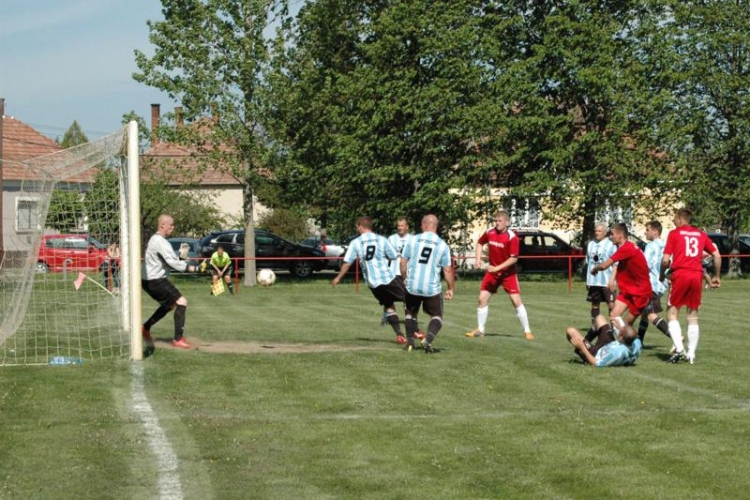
73, 252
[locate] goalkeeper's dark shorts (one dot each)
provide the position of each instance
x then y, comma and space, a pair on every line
161, 290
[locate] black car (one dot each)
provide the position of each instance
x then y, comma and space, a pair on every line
543, 252
271, 251
721, 240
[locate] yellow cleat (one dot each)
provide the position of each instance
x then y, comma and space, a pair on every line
529, 336
474, 333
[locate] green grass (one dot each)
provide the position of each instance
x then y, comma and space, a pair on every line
498, 417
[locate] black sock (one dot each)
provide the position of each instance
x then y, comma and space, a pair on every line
433, 328
179, 321
642, 327
158, 314
663, 326
393, 321
411, 327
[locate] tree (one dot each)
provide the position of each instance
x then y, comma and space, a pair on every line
74, 136
211, 56
572, 129
66, 211
710, 51
377, 104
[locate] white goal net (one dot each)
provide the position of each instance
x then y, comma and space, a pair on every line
64, 273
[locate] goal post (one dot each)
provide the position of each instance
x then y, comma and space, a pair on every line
63, 291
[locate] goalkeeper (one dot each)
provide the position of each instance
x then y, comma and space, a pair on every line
157, 262
221, 267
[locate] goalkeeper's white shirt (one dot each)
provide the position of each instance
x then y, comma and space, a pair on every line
159, 258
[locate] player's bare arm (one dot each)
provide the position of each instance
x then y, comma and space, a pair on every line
478, 256
449, 278
602, 266
666, 259
716, 280
344, 269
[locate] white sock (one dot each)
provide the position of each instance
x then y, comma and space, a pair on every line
523, 318
675, 332
482, 313
693, 334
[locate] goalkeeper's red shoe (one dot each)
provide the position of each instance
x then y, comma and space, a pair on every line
419, 335
182, 343
400, 339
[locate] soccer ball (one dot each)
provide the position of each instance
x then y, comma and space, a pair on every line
266, 277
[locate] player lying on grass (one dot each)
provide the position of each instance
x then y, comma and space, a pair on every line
609, 350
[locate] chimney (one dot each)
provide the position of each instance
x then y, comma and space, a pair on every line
178, 116
155, 124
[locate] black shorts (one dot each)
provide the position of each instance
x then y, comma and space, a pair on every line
228, 272
390, 293
161, 290
654, 305
432, 306
604, 335
600, 294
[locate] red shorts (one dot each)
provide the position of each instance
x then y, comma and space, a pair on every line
493, 281
636, 303
686, 289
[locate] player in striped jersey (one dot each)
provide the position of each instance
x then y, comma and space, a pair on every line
374, 253
600, 287
399, 240
424, 257
503, 255
653, 252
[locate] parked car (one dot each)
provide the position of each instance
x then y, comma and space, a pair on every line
332, 248
72, 252
721, 240
194, 245
543, 252
272, 249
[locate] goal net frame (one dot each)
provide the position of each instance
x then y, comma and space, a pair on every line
58, 296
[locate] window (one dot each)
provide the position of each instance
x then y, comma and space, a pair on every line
27, 214
524, 212
612, 214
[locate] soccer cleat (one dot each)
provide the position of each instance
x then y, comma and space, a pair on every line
419, 335
182, 343
677, 357
400, 339
428, 349
474, 333
690, 359
409, 346
674, 349
529, 336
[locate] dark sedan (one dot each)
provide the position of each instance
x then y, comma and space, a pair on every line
271, 251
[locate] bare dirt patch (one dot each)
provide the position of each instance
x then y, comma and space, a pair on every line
267, 347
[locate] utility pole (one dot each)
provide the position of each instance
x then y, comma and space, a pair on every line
2, 214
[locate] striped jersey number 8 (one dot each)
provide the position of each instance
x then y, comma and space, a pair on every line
369, 252
691, 246
425, 255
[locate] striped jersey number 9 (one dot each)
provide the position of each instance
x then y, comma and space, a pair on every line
369, 252
691, 246
425, 255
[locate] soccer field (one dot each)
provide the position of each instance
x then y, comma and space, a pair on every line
296, 391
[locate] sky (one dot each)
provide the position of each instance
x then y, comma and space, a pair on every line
72, 60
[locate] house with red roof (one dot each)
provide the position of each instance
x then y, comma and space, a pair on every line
182, 167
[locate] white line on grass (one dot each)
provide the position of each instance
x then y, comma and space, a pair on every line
168, 477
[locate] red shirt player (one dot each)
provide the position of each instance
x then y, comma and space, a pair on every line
503, 255
632, 277
683, 254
